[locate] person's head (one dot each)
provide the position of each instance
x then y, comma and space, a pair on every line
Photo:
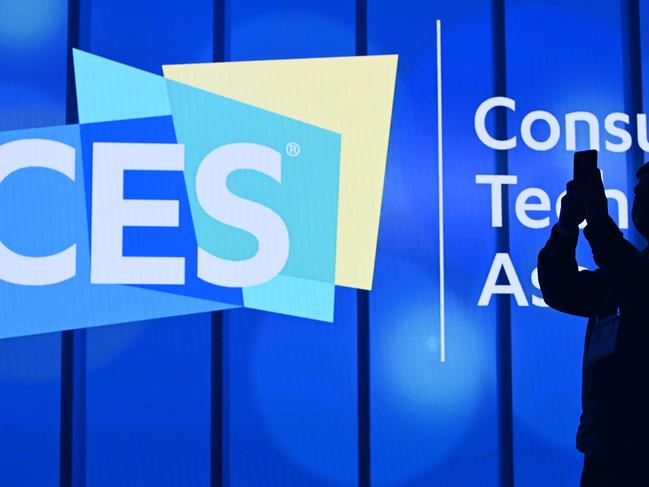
640, 210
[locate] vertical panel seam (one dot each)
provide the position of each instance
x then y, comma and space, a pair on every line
218, 352
72, 452
363, 318
503, 302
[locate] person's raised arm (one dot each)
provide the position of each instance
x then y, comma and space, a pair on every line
564, 287
623, 264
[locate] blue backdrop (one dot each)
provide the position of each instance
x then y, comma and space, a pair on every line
291, 411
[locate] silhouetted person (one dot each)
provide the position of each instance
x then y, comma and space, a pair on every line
613, 429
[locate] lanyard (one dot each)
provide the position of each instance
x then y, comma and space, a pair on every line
605, 301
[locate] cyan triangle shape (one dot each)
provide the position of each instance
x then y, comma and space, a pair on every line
108, 90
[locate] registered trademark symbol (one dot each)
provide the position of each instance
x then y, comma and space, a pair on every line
293, 149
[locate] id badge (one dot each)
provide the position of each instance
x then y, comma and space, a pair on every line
603, 337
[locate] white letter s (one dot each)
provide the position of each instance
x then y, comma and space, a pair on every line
263, 223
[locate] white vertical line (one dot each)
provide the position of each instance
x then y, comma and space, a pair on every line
440, 191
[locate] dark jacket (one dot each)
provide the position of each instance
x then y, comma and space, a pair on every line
615, 388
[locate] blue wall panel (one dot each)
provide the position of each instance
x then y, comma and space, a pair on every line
148, 34
292, 382
433, 423
29, 410
33, 42
148, 403
560, 58
148, 384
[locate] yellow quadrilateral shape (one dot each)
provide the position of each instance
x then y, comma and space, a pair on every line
349, 95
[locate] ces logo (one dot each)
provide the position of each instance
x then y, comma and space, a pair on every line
219, 185
111, 212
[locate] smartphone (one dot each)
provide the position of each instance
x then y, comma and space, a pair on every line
585, 165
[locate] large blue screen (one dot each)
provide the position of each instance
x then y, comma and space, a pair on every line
463, 374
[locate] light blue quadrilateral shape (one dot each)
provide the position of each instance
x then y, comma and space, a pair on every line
306, 199
303, 298
108, 90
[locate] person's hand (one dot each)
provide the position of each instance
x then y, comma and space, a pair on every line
591, 195
572, 213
